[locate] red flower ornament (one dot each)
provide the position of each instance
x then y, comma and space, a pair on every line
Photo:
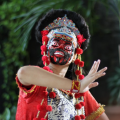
49, 108
78, 106
77, 117
81, 64
48, 62
44, 32
77, 95
46, 68
45, 39
52, 94
81, 77
43, 48
42, 52
82, 103
79, 51
70, 94
77, 72
82, 116
77, 61
44, 58
80, 39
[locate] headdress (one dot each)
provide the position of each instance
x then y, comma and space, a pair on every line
57, 22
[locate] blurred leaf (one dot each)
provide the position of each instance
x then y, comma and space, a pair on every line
114, 86
11, 52
88, 13
13, 113
5, 115
114, 91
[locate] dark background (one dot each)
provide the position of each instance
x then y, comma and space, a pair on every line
18, 46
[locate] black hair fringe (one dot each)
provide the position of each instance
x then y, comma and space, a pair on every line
75, 17
80, 24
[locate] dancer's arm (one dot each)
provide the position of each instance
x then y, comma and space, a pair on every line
103, 117
93, 110
28, 75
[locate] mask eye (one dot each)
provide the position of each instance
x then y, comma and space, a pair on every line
68, 47
55, 43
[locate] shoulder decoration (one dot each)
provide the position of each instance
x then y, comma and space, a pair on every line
96, 114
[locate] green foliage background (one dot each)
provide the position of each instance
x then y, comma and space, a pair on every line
11, 54
17, 21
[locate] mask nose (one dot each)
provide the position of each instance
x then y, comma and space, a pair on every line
61, 46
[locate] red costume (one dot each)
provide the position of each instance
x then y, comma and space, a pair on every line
63, 34
29, 98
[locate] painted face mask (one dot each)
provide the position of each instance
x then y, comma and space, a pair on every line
61, 48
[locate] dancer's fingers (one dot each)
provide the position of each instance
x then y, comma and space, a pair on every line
97, 65
93, 65
92, 68
98, 75
87, 82
102, 70
94, 84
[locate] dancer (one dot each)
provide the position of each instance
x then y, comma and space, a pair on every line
59, 90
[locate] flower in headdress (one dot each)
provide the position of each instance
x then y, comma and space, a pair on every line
80, 39
44, 32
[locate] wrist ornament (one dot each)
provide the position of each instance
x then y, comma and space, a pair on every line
75, 86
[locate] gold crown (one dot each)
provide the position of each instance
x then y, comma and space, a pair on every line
61, 22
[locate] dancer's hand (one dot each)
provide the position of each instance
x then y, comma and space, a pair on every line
88, 82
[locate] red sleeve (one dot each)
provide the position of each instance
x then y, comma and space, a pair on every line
92, 109
26, 89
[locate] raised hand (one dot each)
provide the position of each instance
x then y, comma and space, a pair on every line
88, 82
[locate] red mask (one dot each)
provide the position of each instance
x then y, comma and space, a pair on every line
60, 51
